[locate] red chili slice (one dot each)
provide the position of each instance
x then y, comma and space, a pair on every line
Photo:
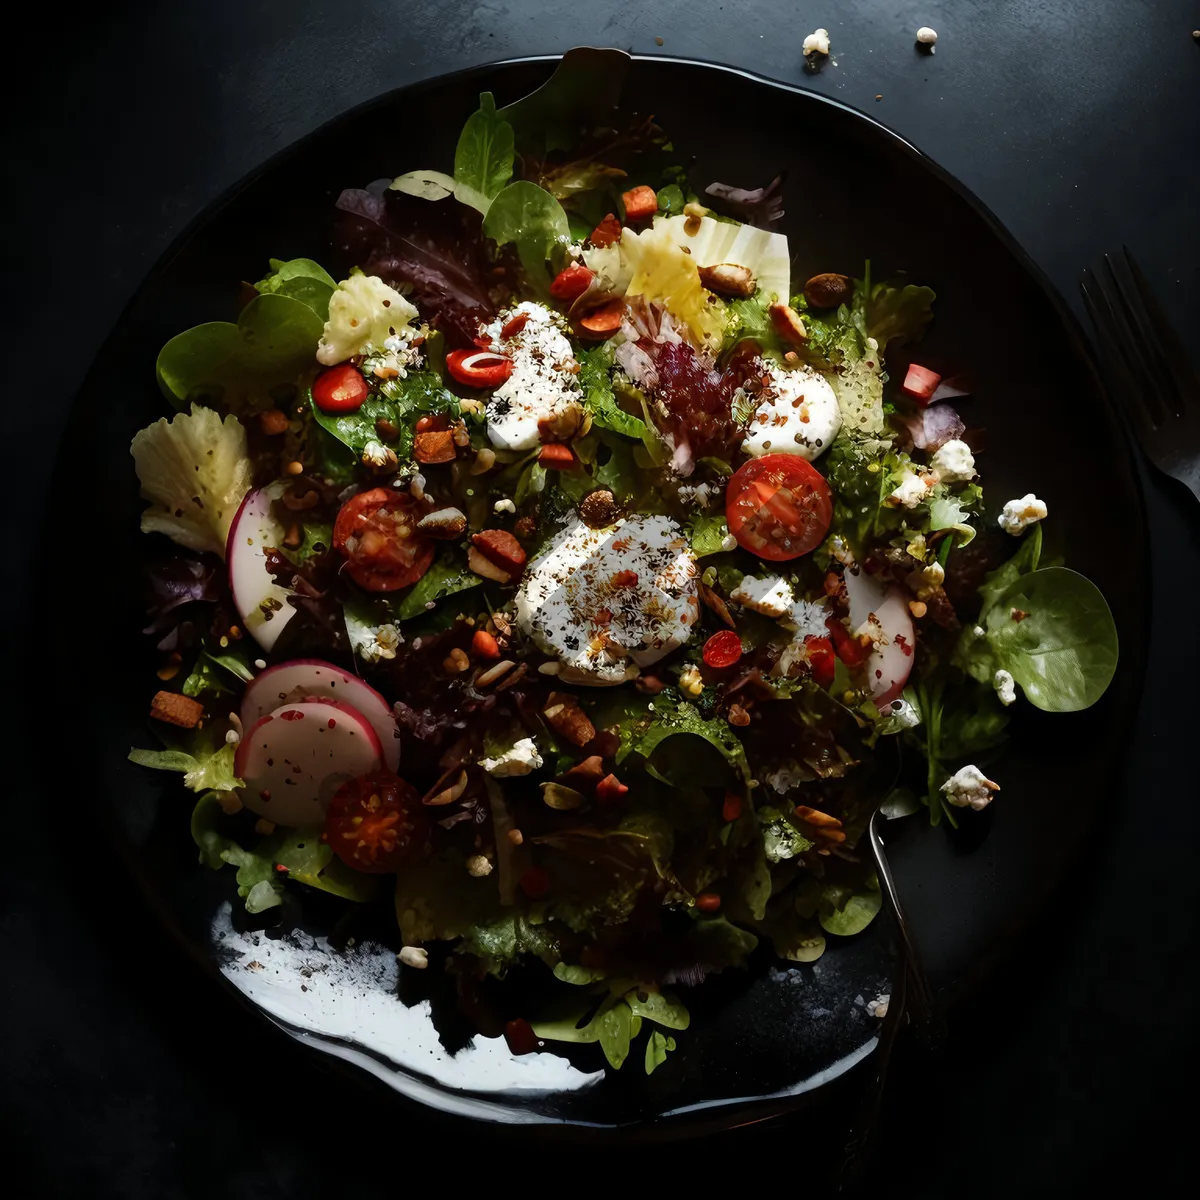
479, 368
571, 282
822, 659
722, 649
340, 389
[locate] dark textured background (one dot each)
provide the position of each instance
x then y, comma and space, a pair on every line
1078, 123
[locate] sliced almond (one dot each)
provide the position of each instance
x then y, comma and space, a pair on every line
485, 567
447, 793
443, 523
560, 798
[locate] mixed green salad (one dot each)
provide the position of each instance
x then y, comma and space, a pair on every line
566, 569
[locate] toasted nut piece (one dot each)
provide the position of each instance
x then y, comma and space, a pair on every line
829, 290
649, 685
715, 604
728, 279
788, 324
814, 816
300, 499
516, 837
294, 468
563, 424
918, 608
443, 523
447, 789
434, 447
482, 566
693, 212
609, 789
514, 676
485, 460
273, 422
294, 537
386, 430
479, 865
598, 509
738, 716
500, 547
455, 662
414, 956
175, 709
563, 799
461, 434
566, 718
483, 644
488, 677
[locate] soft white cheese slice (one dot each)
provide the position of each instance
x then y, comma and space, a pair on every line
797, 413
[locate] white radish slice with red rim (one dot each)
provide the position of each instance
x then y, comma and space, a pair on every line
302, 678
891, 661
260, 601
294, 759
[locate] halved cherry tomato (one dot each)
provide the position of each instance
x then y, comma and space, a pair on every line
375, 532
849, 649
821, 658
571, 282
340, 389
479, 368
604, 321
375, 822
778, 506
722, 649
535, 883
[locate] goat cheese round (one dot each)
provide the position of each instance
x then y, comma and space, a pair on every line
797, 413
544, 381
607, 601
1018, 515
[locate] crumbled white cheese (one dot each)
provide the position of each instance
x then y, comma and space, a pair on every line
817, 42
519, 759
771, 596
927, 37
699, 494
607, 601
504, 506
969, 785
910, 492
1018, 515
364, 313
479, 866
414, 956
400, 351
953, 462
383, 644
376, 454
807, 618
879, 1006
785, 778
1005, 686
543, 383
797, 413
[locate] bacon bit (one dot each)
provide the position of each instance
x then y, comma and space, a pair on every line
640, 203
535, 883
175, 709
625, 579
1019, 614
607, 232
437, 447
485, 645
571, 282
516, 323
555, 456
708, 902
501, 548
815, 817
609, 789
604, 321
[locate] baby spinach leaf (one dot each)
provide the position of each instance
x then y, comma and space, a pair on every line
847, 915
483, 160
657, 1047
446, 577
243, 366
310, 861
1024, 560
301, 279
659, 1007
1063, 652
531, 219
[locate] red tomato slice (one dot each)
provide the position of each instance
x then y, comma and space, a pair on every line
375, 822
479, 368
375, 532
340, 389
778, 506
722, 649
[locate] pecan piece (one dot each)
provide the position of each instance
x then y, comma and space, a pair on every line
728, 279
436, 446
176, 709
567, 719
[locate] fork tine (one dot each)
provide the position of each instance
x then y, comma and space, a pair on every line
1150, 351
1120, 350
1174, 356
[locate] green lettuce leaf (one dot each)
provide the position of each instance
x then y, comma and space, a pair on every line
528, 217
596, 382
437, 900
657, 1047
301, 279
671, 719
782, 838
447, 577
483, 159
499, 944
847, 914
203, 771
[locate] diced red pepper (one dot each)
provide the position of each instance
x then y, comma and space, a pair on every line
722, 649
555, 456
485, 645
499, 546
640, 203
847, 647
479, 368
571, 282
607, 232
921, 383
731, 809
821, 659
340, 389
708, 902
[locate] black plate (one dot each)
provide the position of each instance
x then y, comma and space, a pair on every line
854, 190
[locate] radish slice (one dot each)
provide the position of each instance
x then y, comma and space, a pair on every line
304, 677
260, 601
294, 759
891, 661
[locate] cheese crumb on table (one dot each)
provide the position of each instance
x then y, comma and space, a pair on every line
927, 37
969, 786
817, 42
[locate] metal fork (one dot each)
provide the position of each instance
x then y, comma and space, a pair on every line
1156, 386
